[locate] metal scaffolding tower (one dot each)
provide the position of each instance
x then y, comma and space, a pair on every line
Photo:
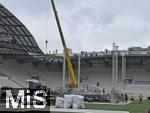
115, 66
64, 69
123, 69
79, 69
123, 75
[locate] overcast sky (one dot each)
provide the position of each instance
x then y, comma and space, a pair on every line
90, 25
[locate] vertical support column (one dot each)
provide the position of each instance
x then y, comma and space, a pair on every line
64, 68
115, 55
115, 66
79, 69
116, 75
125, 67
123, 71
122, 77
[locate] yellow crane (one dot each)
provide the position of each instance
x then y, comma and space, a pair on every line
73, 81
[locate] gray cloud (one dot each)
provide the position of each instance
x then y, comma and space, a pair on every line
87, 24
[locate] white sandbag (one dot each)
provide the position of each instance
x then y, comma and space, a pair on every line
78, 102
68, 101
59, 102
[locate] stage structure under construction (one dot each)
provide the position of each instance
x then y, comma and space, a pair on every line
22, 59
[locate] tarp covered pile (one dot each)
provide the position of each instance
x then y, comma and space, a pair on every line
59, 102
70, 101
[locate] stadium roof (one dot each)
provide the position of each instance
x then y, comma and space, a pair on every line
15, 38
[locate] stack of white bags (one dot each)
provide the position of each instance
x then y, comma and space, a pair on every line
59, 102
78, 102
70, 101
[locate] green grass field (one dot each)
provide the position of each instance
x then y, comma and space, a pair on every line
134, 107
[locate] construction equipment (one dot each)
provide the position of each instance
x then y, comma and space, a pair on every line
73, 81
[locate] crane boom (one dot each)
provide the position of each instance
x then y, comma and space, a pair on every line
73, 81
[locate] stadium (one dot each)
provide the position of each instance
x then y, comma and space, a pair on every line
22, 61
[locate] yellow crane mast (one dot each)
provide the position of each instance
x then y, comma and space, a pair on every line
73, 81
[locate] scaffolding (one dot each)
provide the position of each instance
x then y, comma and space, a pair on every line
114, 66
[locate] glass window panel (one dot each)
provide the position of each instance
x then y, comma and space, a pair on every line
33, 42
5, 21
20, 30
30, 49
35, 50
2, 30
17, 21
6, 12
11, 21
6, 38
9, 31
22, 39
28, 41
14, 30
19, 42
24, 47
26, 31
1, 5
1, 13
1, 23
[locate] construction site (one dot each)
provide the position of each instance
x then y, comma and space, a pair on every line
107, 77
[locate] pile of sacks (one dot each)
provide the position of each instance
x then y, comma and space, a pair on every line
70, 101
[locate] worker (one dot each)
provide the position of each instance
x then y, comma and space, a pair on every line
98, 84
103, 90
140, 98
126, 98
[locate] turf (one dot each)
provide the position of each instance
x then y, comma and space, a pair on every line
134, 107
59, 112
